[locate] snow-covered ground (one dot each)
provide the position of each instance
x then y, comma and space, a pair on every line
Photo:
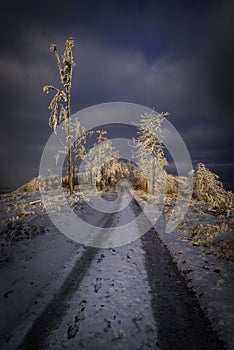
33, 270
112, 305
37, 267
210, 278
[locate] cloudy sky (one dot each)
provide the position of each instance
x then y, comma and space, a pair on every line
175, 56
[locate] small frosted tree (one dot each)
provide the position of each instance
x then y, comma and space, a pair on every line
149, 147
60, 105
102, 152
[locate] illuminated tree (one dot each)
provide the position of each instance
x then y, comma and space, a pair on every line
101, 153
149, 147
60, 105
209, 189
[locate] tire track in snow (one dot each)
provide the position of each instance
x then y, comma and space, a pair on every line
55, 310
51, 316
112, 307
181, 322
116, 300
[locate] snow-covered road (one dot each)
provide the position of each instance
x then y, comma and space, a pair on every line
129, 297
111, 307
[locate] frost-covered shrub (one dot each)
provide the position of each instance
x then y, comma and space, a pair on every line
174, 184
216, 239
209, 189
205, 234
30, 187
19, 230
171, 185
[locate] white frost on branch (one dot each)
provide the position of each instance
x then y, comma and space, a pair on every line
102, 152
148, 149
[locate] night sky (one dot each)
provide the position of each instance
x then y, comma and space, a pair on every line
175, 56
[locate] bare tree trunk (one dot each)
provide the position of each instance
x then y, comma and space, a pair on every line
69, 155
153, 174
75, 175
149, 173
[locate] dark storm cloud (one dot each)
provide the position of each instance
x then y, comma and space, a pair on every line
174, 57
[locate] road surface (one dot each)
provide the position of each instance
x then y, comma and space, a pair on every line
129, 297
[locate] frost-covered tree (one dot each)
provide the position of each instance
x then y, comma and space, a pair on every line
79, 148
148, 148
209, 189
102, 152
115, 170
60, 105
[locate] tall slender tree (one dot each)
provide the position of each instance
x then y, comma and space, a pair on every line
60, 105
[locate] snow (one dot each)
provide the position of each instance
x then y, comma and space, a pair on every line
115, 304
210, 278
38, 266
35, 270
